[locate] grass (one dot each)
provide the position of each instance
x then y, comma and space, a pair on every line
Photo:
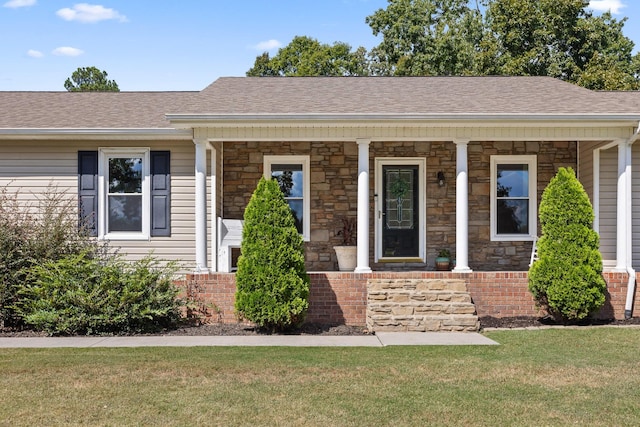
534, 378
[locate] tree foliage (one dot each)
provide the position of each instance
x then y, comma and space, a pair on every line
90, 79
426, 37
272, 286
557, 38
306, 56
566, 280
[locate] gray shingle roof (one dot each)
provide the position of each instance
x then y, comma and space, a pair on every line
405, 95
313, 96
89, 110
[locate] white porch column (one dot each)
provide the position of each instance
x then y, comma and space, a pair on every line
201, 205
462, 208
214, 208
362, 265
623, 215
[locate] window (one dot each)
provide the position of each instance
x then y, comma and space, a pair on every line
513, 198
292, 174
124, 194
123, 202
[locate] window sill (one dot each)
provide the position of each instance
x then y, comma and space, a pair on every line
125, 236
513, 238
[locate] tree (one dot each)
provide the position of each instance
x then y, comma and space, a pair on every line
306, 56
557, 38
426, 37
605, 56
272, 286
566, 280
90, 79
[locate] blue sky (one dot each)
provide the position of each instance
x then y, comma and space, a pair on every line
180, 45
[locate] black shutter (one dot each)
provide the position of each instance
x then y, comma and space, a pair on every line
88, 191
160, 193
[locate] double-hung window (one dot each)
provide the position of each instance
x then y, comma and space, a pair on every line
513, 198
292, 174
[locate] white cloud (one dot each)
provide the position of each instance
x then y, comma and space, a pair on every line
14, 4
607, 5
268, 45
35, 53
90, 13
67, 51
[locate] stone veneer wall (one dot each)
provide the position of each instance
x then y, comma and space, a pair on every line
341, 298
485, 255
334, 192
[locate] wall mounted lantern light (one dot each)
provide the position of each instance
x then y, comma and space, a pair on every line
440, 178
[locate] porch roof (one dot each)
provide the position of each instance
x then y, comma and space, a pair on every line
412, 97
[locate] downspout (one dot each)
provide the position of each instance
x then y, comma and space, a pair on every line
631, 282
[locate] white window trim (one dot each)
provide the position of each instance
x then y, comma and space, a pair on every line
306, 191
103, 156
531, 161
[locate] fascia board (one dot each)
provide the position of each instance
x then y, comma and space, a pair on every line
98, 133
183, 121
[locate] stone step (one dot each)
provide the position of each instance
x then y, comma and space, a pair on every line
432, 323
407, 309
418, 284
400, 296
407, 305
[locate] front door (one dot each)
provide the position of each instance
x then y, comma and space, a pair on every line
400, 218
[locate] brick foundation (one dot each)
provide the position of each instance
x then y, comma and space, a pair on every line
341, 298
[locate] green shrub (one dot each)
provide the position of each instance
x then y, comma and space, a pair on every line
272, 283
55, 278
82, 294
34, 232
566, 280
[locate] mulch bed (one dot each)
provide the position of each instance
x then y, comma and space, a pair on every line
532, 322
217, 329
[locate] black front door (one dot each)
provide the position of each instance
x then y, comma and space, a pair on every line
400, 211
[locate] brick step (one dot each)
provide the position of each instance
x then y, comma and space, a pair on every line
425, 305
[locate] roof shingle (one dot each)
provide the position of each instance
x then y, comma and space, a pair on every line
313, 96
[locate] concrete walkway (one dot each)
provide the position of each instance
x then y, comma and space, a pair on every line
380, 339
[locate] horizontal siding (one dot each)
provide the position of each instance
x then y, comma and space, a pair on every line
585, 166
31, 166
608, 202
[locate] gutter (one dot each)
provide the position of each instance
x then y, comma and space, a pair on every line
631, 281
398, 117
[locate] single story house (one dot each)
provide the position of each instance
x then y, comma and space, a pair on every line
419, 163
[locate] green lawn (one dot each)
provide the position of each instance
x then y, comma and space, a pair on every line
537, 378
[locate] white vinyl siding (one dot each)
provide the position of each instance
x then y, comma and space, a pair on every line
31, 166
607, 211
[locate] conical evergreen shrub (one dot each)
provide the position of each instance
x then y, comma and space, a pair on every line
566, 280
272, 283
